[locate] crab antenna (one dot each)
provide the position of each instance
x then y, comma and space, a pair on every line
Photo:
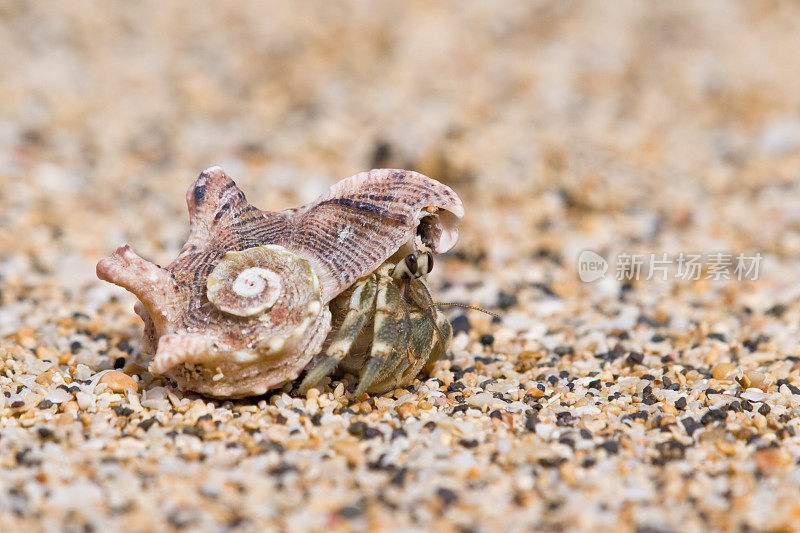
465, 306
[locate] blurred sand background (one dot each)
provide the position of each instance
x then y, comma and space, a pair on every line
614, 126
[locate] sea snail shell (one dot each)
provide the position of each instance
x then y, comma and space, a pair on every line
244, 306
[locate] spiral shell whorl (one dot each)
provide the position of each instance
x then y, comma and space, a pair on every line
248, 282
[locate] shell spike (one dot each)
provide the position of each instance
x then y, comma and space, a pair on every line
150, 283
212, 199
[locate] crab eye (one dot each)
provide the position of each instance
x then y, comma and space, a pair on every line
411, 263
429, 265
408, 268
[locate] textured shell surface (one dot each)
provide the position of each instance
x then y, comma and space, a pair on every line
244, 306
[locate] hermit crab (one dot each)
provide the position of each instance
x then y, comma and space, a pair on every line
254, 298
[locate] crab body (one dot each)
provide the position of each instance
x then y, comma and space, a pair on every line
247, 302
386, 330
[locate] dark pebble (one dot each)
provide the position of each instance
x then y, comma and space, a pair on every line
124, 346
713, 415
460, 408
119, 362
648, 398
195, 431
615, 353
266, 446
122, 411
455, 386
381, 154
552, 462
398, 432
764, 409
487, 340
564, 418
447, 496
357, 429
460, 324
279, 470
372, 432
671, 449
506, 300
350, 512
750, 344
690, 425
45, 404
399, 478
146, 424
777, 310
635, 358
610, 446
24, 458
752, 439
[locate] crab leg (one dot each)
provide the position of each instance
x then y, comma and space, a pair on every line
389, 313
444, 332
422, 299
357, 307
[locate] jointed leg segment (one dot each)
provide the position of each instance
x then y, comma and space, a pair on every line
360, 302
387, 333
